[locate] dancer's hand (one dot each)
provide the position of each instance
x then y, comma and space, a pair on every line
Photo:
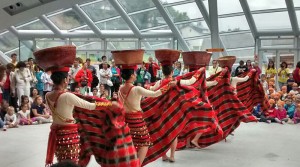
114, 105
173, 83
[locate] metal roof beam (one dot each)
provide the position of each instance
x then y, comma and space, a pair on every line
29, 44
276, 33
293, 16
171, 24
249, 18
51, 26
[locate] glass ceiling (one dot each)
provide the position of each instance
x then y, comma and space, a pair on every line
185, 15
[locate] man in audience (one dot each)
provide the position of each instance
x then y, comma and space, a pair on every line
241, 68
152, 68
72, 73
215, 68
14, 59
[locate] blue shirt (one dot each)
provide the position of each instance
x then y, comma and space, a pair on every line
39, 84
176, 72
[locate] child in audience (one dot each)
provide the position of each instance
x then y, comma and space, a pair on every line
270, 115
284, 93
77, 90
103, 96
10, 119
276, 97
95, 92
263, 80
38, 111
2, 124
290, 108
115, 96
290, 83
294, 91
25, 100
281, 115
296, 118
24, 116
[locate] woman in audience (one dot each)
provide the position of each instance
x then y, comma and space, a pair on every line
84, 79
271, 70
33, 95
39, 85
283, 74
24, 116
296, 118
38, 111
105, 76
10, 119
116, 78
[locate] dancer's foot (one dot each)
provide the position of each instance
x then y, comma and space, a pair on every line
172, 159
165, 158
195, 143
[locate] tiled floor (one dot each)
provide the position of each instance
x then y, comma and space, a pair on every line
253, 145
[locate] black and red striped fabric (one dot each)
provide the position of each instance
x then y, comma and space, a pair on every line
251, 92
168, 115
104, 134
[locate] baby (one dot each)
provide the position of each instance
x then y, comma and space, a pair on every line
10, 119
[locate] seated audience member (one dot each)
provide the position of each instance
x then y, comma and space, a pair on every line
281, 114
296, 117
263, 80
276, 97
294, 90
115, 96
2, 124
77, 90
284, 93
25, 100
101, 88
271, 92
24, 116
102, 96
10, 118
34, 94
38, 111
4, 106
95, 92
270, 115
290, 108
290, 83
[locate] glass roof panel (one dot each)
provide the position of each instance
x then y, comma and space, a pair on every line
232, 24
67, 20
88, 45
170, 1
193, 29
277, 43
184, 12
240, 40
100, 10
266, 4
136, 5
116, 24
33, 24
199, 44
49, 43
272, 21
148, 19
229, 6
8, 42
298, 16
296, 3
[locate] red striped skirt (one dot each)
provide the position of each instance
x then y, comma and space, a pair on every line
138, 129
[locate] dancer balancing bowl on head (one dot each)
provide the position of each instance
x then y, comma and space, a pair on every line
131, 96
64, 140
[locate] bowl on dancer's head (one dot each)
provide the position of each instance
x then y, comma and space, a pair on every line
167, 56
55, 57
196, 58
128, 57
226, 61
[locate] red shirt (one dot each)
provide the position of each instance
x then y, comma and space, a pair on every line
81, 73
155, 67
7, 82
280, 114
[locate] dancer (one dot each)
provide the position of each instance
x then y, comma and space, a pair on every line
131, 96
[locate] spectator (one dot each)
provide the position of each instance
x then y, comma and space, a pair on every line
24, 116
296, 118
141, 75
283, 73
95, 92
264, 82
31, 66
84, 78
39, 84
152, 68
114, 96
177, 69
255, 66
34, 94
281, 115
38, 111
9, 82
215, 68
184, 70
271, 71
284, 93
270, 115
25, 100
23, 78
14, 59
249, 65
4, 107
290, 83
72, 73
2, 80
290, 108
95, 80
90, 67
241, 69
296, 73
105, 76
48, 83
101, 89
116, 79
2, 124
294, 91
10, 119
77, 90
103, 60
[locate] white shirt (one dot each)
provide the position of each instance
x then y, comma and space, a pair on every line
22, 78
73, 73
10, 118
47, 80
103, 73
24, 115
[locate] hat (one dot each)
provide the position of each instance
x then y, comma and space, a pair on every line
167, 56
56, 58
226, 61
128, 57
200, 58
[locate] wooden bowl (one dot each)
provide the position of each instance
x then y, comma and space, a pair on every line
128, 57
226, 61
55, 57
201, 58
167, 55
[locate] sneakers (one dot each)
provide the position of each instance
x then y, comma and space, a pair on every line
35, 123
4, 128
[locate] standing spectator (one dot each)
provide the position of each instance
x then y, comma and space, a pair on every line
39, 84
241, 69
296, 73
141, 75
290, 83
271, 71
72, 73
256, 67
95, 80
90, 67
215, 68
31, 66
9, 82
48, 83
22, 78
249, 65
177, 69
84, 78
2, 80
14, 59
152, 68
116, 79
283, 73
105, 75
103, 60
184, 70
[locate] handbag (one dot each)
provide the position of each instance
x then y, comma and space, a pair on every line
109, 83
